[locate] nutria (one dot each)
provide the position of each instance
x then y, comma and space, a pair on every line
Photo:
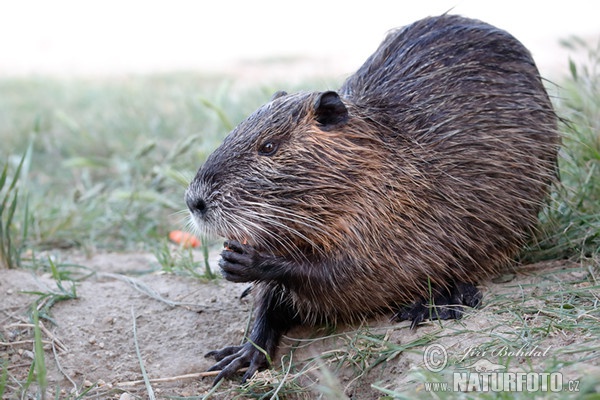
420, 177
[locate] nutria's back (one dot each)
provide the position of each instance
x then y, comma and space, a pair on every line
423, 176
464, 104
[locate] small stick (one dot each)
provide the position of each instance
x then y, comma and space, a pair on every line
170, 379
54, 339
174, 378
51, 336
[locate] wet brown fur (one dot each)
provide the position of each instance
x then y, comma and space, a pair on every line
437, 174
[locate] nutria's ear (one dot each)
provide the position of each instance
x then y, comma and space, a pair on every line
329, 109
278, 94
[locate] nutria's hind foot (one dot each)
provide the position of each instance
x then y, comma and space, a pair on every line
233, 358
446, 305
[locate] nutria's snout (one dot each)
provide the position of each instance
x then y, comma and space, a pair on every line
196, 205
205, 206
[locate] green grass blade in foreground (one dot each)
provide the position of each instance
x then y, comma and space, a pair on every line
9, 251
3, 376
570, 226
205, 255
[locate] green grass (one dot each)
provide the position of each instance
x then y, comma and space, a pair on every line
10, 249
181, 261
110, 158
66, 289
572, 222
102, 164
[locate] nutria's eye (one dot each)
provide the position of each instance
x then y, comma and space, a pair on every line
268, 148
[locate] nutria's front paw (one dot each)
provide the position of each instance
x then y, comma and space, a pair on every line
240, 262
232, 359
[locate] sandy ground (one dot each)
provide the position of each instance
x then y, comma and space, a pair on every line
178, 319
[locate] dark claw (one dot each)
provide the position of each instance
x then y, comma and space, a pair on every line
415, 313
246, 292
258, 362
469, 294
232, 359
448, 305
224, 352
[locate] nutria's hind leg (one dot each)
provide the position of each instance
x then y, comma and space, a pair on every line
446, 304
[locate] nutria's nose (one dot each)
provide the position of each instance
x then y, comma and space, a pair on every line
196, 205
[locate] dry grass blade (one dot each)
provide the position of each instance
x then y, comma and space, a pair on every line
139, 355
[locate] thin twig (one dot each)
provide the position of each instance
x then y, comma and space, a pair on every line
53, 338
49, 334
9, 344
175, 378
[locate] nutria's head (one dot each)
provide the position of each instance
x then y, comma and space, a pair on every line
287, 178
